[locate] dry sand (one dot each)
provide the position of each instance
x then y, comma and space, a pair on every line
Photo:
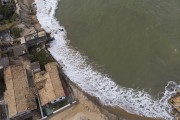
84, 109
87, 109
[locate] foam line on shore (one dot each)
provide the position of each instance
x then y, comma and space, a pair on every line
96, 83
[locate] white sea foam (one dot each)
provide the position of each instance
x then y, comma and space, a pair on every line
96, 83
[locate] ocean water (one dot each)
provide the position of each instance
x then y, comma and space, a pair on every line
135, 42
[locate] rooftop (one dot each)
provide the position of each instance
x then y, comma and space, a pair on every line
52, 88
19, 50
35, 35
18, 95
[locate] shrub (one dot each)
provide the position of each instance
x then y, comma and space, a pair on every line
7, 10
15, 32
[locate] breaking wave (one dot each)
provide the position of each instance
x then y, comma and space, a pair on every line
94, 82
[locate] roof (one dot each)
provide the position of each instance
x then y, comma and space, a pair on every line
40, 80
35, 67
34, 35
4, 62
18, 95
31, 36
19, 50
53, 88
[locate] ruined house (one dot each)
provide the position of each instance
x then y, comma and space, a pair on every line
49, 84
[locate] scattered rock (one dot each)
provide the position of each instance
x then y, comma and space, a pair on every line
61, 29
175, 102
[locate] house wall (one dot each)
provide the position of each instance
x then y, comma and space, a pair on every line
19, 116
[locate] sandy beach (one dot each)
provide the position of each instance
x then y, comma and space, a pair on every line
85, 109
88, 109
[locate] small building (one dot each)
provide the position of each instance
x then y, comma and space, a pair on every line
35, 67
35, 38
18, 95
19, 50
4, 62
31, 36
49, 84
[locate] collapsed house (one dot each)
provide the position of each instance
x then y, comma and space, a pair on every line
49, 84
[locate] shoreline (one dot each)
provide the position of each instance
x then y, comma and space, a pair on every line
103, 109
84, 102
110, 113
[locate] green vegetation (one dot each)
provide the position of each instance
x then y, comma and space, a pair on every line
8, 16
42, 56
15, 32
7, 12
